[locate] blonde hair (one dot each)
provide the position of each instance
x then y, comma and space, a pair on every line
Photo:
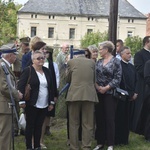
107, 44
34, 40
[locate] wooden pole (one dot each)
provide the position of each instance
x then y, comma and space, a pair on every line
113, 18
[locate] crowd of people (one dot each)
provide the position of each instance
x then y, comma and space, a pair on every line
92, 75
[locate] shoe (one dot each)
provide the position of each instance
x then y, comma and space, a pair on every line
38, 148
110, 148
43, 146
16, 133
47, 132
68, 142
99, 147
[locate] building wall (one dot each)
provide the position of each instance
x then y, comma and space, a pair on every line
148, 25
61, 25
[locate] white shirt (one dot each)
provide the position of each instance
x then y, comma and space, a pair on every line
42, 101
46, 64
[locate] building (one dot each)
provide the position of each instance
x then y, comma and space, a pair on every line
148, 25
59, 21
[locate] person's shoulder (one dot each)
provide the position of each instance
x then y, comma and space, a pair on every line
140, 52
27, 55
116, 60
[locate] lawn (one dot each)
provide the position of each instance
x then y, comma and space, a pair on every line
57, 141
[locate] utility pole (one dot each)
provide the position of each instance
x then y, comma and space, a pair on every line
113, 18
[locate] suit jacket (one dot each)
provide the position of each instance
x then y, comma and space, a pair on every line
81, 76
34, 83
4, 90
140, 59
26, 60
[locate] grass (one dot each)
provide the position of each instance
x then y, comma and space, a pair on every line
58, 139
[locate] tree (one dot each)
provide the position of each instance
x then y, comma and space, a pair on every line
8, 21
93, 38
135, 43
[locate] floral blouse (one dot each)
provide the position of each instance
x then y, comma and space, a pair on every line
109, 74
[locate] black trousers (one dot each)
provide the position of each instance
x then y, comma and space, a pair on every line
105, 119
34, 121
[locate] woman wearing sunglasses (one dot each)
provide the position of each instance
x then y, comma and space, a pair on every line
41, 98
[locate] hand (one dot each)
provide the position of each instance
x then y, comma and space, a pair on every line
55, 99
20, 95
134, 96
22, 105
102, 89
50, 107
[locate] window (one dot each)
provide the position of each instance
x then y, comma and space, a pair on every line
72, 33
33, 31
50, 32
89, 30
32, 16
35, 16
130, 34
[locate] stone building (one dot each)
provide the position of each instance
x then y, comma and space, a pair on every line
59, 21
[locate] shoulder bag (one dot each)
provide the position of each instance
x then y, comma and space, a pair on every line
28, 87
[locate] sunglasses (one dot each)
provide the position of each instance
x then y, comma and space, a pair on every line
40, 58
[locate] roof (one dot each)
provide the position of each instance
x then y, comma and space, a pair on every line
79, 8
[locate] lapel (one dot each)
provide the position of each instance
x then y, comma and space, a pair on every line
10, 72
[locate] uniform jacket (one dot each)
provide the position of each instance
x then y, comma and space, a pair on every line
4, 90
81, 76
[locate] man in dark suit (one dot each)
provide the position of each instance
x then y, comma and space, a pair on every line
8, 58
140, 59
81, 98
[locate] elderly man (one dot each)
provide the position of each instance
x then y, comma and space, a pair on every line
62, 56
81, 98
8, 58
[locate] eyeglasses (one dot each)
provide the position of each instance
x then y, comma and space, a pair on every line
40, 58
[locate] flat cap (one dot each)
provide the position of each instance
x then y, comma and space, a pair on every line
25, 40
8, 48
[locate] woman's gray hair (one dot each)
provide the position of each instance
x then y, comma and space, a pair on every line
34, 53
107, 44
92, 48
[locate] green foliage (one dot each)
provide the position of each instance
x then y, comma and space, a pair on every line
8, 21
135, 43
93, 38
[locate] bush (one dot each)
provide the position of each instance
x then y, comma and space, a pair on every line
93, 38
135, 43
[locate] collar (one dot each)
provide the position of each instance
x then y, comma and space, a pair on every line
147, 49
125, 61
6, 62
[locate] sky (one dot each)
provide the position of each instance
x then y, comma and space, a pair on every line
141, 5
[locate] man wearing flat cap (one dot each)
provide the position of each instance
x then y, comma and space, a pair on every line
8, 58
81, 98
24, 48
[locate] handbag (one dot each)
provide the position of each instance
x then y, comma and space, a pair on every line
27, 88
22, 121
120, 94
